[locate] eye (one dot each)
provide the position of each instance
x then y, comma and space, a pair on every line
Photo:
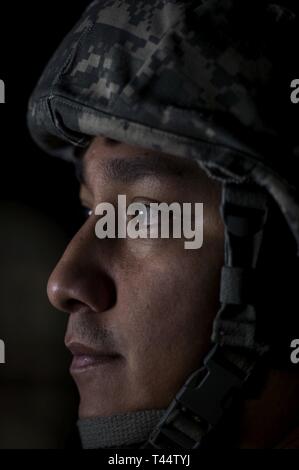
150, 217
145, 215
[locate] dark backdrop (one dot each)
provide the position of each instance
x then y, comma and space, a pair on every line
29, 34
39, 212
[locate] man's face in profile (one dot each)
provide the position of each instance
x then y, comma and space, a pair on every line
141, 310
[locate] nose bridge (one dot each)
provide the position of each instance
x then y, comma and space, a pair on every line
81, 279
83, 245
83, 251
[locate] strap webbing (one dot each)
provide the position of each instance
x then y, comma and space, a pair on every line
210, 391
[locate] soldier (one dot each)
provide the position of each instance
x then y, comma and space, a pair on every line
174, 101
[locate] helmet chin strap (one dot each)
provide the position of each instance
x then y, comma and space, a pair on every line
118, 430
208, 394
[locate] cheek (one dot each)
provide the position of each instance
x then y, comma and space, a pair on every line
170, 299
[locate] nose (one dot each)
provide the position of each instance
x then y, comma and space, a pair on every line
81, 281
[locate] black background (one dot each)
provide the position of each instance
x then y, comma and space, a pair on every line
38, 402
30, 33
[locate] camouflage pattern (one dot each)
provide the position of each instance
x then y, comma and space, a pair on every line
205, 79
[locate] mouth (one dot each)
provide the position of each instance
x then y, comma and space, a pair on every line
85, 357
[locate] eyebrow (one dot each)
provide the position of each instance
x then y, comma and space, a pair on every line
141, 166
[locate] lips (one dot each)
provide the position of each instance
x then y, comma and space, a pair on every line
86, 357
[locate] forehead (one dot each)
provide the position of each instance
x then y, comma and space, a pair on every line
117, 161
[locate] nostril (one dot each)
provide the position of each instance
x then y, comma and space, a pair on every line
112, 295
72, 305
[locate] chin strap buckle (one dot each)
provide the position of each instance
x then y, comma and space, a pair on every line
200, 404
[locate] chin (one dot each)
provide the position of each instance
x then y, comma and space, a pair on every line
104, 406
